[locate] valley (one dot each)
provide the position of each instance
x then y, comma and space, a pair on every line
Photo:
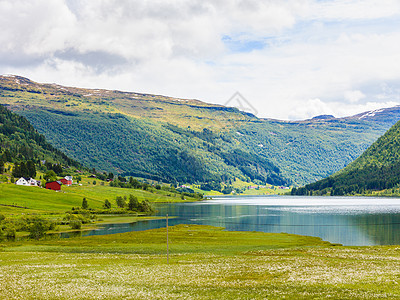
189, 141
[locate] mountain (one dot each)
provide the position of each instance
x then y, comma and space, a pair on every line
19, 141
384, 115
378, 168
185, 140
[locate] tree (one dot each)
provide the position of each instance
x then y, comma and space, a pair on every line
75, 224
107, 204
227, 190
58, 169
120, 201
50, 176
133, 203
145, 206
85, 204
6, 156
37, 228
20, 170
1, 166
31, 169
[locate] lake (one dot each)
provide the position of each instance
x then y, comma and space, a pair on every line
357, 221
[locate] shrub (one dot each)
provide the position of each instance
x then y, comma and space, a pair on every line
75, 224
10, 232
37, 228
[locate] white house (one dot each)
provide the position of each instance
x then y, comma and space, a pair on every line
22, 181
34, 182
27, 182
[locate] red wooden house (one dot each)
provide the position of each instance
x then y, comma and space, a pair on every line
67, 180
54, 185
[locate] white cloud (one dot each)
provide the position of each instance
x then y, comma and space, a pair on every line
311, 108
340, 54
355, 9
353, 96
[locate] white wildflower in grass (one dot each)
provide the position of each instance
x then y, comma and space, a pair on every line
193, 273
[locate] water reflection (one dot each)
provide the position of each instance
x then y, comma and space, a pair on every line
348, 221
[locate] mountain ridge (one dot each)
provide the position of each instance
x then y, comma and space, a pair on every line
378, 168
205, 134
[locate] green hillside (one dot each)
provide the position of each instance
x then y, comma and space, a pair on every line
178, 140
19, 141
378, 168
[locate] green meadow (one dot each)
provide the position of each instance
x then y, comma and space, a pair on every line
204, 263
19, 199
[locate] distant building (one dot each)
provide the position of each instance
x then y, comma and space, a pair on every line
27, 182
54, 185
67, 180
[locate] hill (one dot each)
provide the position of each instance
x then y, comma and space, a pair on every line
179, 140
378, 168
19, 141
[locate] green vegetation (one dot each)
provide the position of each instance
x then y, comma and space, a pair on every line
205, 263
76, 206
21, 199
187, 141
378, 168
21, 143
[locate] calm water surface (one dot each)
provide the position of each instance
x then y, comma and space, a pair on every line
345, 220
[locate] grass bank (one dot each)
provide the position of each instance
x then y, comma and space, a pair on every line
205, 263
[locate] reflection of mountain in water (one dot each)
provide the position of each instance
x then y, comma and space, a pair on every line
383, 229
330, 225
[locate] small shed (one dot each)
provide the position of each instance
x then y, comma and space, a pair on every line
54, 185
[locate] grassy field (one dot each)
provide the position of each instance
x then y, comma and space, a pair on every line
205, 263
24, 199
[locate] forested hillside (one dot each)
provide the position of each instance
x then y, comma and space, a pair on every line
20, 142
182, 140
378, 168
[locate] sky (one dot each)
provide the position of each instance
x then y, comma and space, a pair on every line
290, 59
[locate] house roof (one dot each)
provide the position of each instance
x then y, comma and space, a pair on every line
58, 181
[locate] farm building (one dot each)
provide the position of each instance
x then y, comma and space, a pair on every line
54, 185
67, 180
